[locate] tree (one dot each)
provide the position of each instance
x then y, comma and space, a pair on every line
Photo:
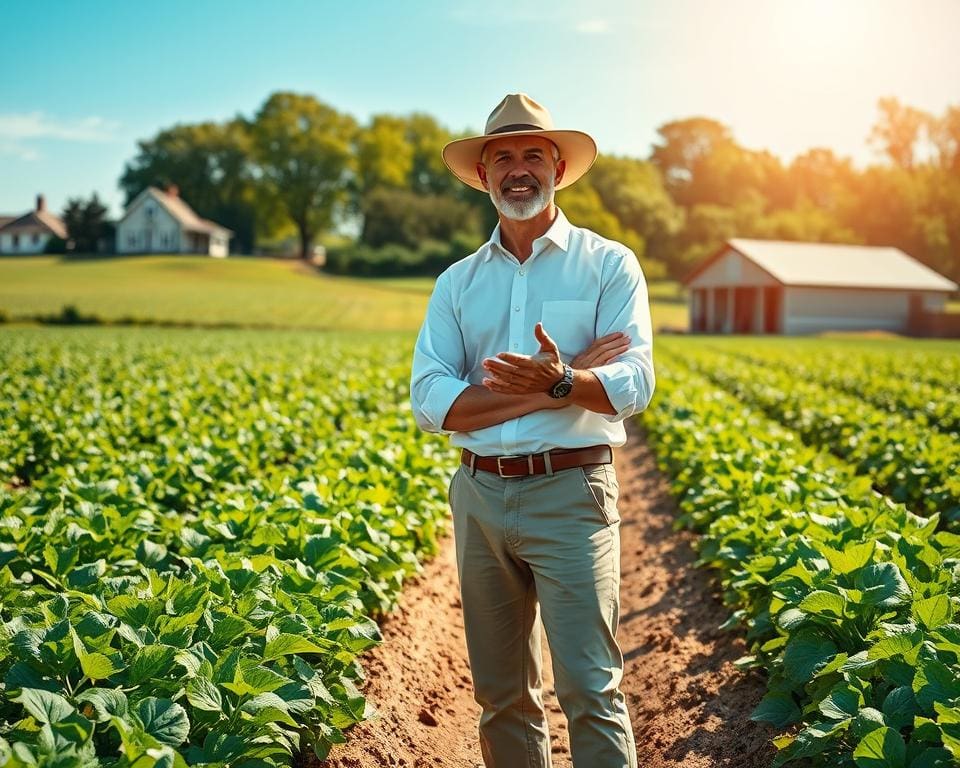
684, 147
305, 160
945, 136
403, 217
86, 223
384, 154
898, 131
633, 191
211, 164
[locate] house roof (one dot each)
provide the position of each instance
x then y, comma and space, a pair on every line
30, 221
835, 266
182, 212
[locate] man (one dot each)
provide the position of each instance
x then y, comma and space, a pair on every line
533, 351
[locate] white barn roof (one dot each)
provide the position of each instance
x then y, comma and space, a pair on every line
851, 266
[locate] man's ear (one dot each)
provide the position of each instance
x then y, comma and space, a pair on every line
561, 168
482, 173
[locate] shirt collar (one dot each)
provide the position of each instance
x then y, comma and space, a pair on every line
558, 233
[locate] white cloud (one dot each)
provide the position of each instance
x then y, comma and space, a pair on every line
17, 129
18, 150
592, 27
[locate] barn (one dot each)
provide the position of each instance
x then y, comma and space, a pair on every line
775, 286
160, 221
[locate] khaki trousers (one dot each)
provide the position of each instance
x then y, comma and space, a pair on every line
543, 548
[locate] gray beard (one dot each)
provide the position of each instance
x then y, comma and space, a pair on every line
522, 210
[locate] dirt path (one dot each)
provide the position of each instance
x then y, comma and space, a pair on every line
688, 703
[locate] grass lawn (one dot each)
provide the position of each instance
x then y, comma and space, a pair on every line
203, 290
237, 290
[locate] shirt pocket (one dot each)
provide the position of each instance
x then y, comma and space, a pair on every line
571, 324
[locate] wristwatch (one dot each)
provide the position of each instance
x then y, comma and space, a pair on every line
563, 387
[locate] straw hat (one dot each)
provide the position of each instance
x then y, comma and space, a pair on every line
519, 115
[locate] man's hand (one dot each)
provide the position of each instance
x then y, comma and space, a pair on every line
513, 374
522, 374
602, 351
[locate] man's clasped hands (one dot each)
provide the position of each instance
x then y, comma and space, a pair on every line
514, 374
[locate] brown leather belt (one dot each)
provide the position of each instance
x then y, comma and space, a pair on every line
538, 463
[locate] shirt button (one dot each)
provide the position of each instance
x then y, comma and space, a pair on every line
515, 345
516, 309
521, 273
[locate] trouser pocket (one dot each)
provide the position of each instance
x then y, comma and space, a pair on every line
601, 486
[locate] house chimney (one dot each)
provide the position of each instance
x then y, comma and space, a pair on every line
173, 190
41, 203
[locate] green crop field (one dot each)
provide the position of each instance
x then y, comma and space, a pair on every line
266, 293
200, 527
195, 529
824, 479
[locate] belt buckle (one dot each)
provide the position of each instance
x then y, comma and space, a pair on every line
500, 467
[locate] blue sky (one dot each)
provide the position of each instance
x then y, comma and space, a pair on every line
82, 80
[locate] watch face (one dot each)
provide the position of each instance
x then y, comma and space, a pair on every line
561, 389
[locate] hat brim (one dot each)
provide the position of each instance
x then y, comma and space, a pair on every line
577, 148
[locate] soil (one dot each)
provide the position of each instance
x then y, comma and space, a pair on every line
688, 703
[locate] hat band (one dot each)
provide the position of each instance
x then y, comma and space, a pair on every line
515, 127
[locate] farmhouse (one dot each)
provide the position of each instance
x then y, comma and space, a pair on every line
773, 286
30, 232
159, 221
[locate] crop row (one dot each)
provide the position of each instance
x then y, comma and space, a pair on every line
848, 598
908, 461
905, 390
194, 533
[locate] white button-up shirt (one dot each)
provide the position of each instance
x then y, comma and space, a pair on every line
581, 286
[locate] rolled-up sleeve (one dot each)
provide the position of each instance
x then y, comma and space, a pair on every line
624, 306
438, 361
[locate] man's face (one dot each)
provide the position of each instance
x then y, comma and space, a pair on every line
520, 174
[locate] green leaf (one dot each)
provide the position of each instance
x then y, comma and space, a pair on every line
823, 603
74, 729
850, 558
948, 718
933, 612
883, 585
45, 706
151, 662
286, 644
933, 683
906, 644
900, 707
203, 694
806, 653
96, 666
105, 702
842, 703
881, 748
933, 757
778, 709
165, 720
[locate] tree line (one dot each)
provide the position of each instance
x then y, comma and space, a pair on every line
301, 167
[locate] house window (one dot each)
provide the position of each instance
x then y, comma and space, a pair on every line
131, 240
16, 240
149, 211
36, 238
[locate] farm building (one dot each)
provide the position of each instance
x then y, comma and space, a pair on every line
773, 286
159, 221
30, 232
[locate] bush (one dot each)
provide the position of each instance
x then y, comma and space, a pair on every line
70, 315
430, 258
